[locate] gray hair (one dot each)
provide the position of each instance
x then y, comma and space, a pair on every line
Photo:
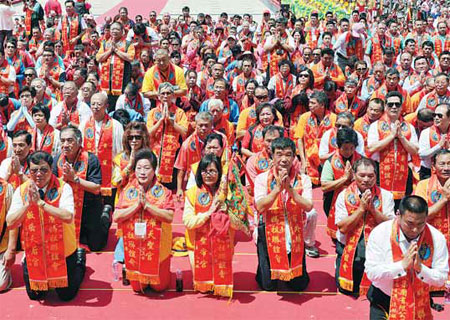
346, 115
204, 115
76, 132
39, 81
215, 102
166, 85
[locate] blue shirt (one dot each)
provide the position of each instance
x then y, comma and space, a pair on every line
233, 112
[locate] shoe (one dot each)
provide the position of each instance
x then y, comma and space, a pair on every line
125, 281
105, 218
312, 252
81, 256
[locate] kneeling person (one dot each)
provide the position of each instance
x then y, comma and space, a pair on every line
44, 207
359, 208
281, 196
144, 212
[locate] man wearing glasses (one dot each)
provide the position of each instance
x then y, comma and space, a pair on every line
43, 206
392, 142
440, 94
434, 139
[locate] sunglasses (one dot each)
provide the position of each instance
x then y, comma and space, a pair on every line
131, 138
394, 104
261, 97
303, 75
29, 75
439, 115
361, 69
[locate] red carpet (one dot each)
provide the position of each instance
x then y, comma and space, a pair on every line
101, 297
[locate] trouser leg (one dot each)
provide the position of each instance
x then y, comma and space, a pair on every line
164, 276
75, 275
96, 233
310, 228
5, 275
300, 283
263, 275
379, 304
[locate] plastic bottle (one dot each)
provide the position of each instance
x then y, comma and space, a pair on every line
179, 281
115, 270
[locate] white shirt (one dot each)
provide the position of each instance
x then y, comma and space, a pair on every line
261, 192
117, 135
341, 210
83, 109
17, 115
6, 17
324, 147
340, 46
373, 137
120, 104
426, 153
381, 269
423, 101
291, 41
65, 202
151, 33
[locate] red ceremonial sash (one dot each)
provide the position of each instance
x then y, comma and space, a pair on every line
137, 106
43, 242
112, 74
104, 149
142, 255
73, 112
3, 145
28, 13
257, 143
343, 105
4, 72
433, 99
161, 77
213, 254
80, 166
311, 140
280, 268
393, 160
338, 166
364, 227
48, 138
283, 89
410, 297
354, 46
441, 220
69, 31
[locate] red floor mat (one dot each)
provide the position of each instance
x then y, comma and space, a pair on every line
101, 297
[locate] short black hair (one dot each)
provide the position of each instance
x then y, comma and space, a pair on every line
394, 94
31, 90
39, 156
440, 153
282, 143
425, 115
213, 136
263, 106
146, 154
366, 162
321, 97
346, 135
392, 71
39, 107
204, 163
413, 204
23, 133
327, 51
272, 128
76, 132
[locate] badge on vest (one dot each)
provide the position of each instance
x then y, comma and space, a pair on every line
140, 229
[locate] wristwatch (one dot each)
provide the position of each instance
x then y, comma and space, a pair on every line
76, 179
41, 203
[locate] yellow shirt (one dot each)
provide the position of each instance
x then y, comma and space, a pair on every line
5, 207
149, 84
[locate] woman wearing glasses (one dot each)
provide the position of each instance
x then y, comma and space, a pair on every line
144, 212
135, 138
208, 225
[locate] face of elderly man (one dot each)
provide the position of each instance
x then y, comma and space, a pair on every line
216, 109
99, 102
165, 95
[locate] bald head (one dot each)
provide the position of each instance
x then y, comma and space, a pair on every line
99, 102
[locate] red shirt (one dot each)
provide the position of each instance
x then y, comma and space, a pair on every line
52, 5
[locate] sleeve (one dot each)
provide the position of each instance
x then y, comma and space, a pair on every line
100, 51
117, 138
360, 147
4, 167
260, 187
66, 202
388, 204
147, 84
181, 162
55, 165
425, 151
131, 51
94, 173
341, 210
323, 147
327, 172
241, 124
300, 129
271, 85
372, 135
421, 189
413, 138
190, 219
120, 104
16, 202
438, 273
182, 118
246, 140
376, 267
234, 112
307, 187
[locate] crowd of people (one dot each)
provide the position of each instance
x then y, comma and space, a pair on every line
237, 121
